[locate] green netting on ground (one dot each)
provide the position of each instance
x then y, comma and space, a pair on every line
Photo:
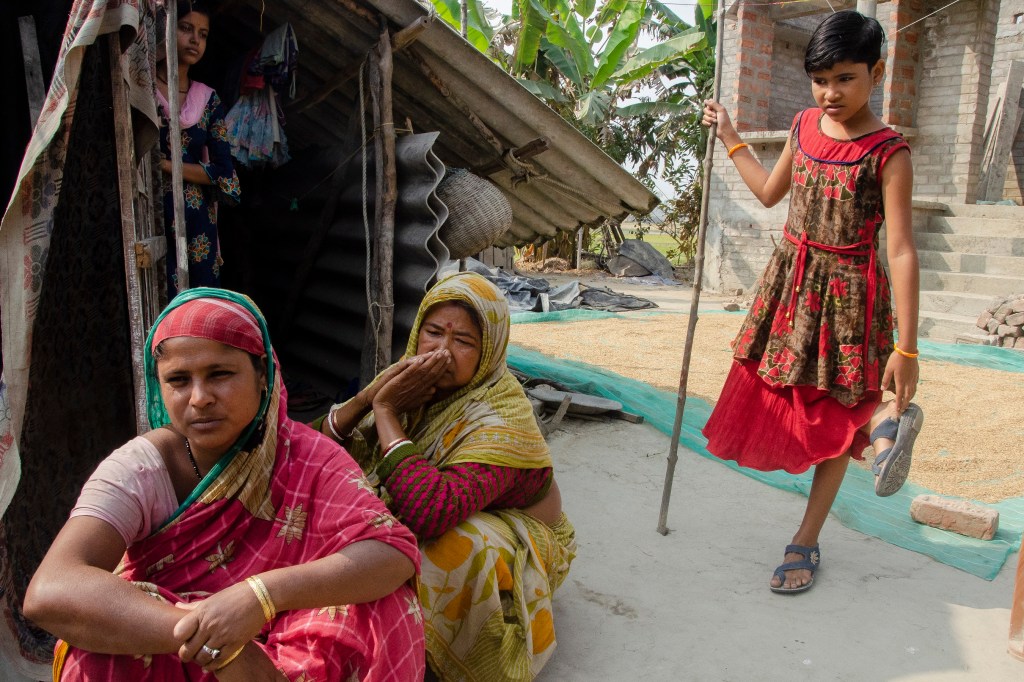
986, 357
856, 506
573, 315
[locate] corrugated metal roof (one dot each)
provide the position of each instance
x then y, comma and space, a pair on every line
573, 183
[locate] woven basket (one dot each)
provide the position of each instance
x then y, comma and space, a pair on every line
478, 213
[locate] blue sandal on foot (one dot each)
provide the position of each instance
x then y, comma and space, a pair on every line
811, 562
892, 465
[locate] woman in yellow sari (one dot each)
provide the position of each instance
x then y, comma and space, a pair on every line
449, 437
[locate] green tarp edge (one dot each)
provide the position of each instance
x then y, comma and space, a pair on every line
856, 506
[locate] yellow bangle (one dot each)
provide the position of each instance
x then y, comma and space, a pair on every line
224, 662
736, 148
263, 595
905, 353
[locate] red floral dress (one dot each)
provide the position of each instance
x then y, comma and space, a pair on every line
810, 353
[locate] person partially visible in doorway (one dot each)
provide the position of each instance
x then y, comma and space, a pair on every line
208, 175
450, 439
229, 543
816, 351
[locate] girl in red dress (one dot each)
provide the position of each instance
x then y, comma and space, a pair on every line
816, 350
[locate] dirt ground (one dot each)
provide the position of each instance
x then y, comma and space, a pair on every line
970, 444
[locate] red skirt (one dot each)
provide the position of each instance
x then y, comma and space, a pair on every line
789, 427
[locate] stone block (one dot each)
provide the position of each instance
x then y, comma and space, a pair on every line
1007, 341
1019, 342
1016, 319
731, 307
1008, 330
1017, 306
992, 326
977, 339
958, 516
1001, 312
984, 318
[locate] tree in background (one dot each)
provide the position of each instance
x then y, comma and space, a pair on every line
585, 60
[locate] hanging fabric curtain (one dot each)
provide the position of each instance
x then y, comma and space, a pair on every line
63, 301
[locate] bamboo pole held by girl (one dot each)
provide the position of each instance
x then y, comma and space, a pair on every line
698, 275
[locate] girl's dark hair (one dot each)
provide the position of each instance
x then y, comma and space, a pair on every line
844, 36
189, 6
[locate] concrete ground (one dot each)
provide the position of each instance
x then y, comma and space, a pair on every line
695, 605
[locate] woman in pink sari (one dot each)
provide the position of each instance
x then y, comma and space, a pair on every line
230, 542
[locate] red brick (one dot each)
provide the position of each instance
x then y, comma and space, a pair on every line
959, 516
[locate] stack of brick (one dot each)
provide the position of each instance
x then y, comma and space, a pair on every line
1003, 322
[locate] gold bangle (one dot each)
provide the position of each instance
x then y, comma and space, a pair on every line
263, 595
224, 662
905, 353
736, 148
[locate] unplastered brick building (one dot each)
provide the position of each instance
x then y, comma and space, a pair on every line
952, 88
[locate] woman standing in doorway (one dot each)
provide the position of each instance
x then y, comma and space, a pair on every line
207, 172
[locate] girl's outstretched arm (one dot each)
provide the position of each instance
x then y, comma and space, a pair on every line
897, 192
768, 187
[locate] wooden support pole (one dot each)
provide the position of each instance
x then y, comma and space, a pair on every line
174, 140
684, 373
382, 305
1001, 131
579, 245
527, 151
126, 175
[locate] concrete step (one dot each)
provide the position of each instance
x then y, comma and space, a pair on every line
944, 326
986, 211
986, 227
954, 303
970, 243
948, 261
970, 282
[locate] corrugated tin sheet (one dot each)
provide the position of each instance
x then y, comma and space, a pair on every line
572, 184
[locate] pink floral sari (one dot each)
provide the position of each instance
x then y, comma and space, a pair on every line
292, 497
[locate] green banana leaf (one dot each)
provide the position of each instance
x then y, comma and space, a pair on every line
621, 38
647, 60
543, 90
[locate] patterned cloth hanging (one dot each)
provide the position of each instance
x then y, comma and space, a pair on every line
256, 122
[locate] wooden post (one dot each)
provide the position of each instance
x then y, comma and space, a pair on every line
1016, 647
684, 372
579, 246
382, 305
174, 138
125, 151
1002, 128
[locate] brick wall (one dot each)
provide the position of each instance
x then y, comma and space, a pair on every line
956, 58
938, 83
1009, 46
903, 61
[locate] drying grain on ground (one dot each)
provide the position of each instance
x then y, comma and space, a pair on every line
970, 445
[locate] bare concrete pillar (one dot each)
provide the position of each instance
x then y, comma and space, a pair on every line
867, 7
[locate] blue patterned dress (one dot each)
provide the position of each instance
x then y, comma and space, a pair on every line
204, 143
